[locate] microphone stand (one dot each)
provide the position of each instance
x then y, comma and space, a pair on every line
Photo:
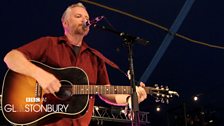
129, 41
134, 96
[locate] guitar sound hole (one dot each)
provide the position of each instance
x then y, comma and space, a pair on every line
65, 91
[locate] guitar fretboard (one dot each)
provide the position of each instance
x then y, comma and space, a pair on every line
102, 89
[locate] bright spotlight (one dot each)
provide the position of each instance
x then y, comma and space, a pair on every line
96, 108
158, 109
195, 98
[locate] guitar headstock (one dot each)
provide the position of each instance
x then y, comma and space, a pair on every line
162, 93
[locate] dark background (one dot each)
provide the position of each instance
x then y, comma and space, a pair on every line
186, 67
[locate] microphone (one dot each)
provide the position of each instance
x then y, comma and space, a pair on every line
94, 21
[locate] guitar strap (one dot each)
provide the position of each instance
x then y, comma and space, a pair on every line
106, 60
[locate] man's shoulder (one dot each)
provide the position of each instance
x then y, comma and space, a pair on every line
52, 39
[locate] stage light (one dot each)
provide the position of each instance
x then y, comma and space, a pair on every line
210, 121
123, 111
96, 108
158, 109
195, 98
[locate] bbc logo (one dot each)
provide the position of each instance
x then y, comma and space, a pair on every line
32, 99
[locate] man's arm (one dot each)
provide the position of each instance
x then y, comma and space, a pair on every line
17, 62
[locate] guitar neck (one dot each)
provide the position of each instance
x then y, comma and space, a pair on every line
104, 89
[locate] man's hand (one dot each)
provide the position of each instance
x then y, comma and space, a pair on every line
142, 95
48, 82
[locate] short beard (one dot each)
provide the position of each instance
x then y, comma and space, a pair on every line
80, 30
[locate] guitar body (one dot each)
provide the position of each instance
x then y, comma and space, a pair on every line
24, 102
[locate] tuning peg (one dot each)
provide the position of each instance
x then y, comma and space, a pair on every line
167, 88
162, 100
167, 101
156, 86
167, 96
161, 87
157, 100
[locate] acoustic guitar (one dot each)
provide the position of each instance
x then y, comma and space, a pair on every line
24, 102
